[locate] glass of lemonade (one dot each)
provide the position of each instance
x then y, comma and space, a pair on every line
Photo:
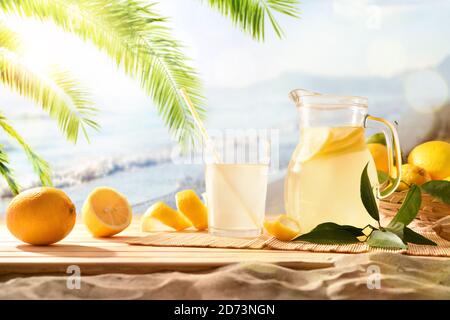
236, 186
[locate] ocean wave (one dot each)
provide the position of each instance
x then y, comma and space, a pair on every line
89, 171
98, 169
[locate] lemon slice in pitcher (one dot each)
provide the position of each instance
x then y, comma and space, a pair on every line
312, 142
344, 139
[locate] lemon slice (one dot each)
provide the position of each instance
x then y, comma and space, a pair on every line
106, 212
312, 142
151, 224
283, 228
189, 204
164, 214
344, 139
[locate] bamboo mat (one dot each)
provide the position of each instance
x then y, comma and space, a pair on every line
204, 240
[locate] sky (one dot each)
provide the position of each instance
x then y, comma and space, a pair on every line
339, 38
332, 38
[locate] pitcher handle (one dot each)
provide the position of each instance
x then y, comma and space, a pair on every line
394, 155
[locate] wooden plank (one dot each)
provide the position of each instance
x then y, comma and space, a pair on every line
137, 266
97, 256
120, 247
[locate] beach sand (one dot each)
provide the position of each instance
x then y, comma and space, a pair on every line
351, 277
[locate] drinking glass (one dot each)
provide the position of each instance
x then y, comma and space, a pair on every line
236, 185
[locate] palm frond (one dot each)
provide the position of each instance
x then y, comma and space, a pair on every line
8, 38
137, 38
7, 173
58, 93
40, 166
250, 15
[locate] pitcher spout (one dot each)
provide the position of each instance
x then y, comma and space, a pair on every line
297, 94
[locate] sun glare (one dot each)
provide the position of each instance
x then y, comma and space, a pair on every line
35, 51
44, 45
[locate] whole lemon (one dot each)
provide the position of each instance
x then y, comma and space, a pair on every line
41, 216
412, 174
434, 157
380, 156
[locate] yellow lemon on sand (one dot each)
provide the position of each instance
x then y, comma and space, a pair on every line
412, 174
189, 204
283, 227
164, 214
41, 216
380, 156
434, 157
106, 212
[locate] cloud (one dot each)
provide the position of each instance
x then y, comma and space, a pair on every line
373, 13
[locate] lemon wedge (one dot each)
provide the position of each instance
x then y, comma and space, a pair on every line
164, 214
189, 204
312, 142
151, 224
283, 227
106, 212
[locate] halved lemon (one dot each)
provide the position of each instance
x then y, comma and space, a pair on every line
164, 214
283, 227
312, 142
106, 212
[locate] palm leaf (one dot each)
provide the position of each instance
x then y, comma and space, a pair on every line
136, 37
40, 166
250, 15
58, 93
8, 38
6, 172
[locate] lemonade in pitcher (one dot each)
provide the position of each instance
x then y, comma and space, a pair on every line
323, 178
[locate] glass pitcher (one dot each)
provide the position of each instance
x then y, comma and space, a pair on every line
323, 178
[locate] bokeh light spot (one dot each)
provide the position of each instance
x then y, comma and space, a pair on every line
426, 91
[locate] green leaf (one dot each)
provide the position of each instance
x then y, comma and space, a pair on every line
409, 209
439, 189
7, 173
40, 166
377, 138
367, 196
411, 236
57, 93
8, 38
383, 177
332, 233
250, 15
397, 228
385, 239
